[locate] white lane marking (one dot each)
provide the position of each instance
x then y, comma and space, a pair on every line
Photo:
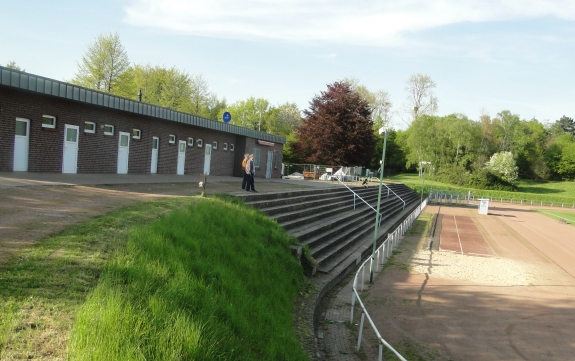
554, 215
457, 229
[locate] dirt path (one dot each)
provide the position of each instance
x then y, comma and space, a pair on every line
30, 213
517, 305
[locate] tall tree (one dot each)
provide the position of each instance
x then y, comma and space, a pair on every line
283, 120
566, 124
200, 93
337, 128
379, 102
251, 113
420, 96
12, 65
166, 87
103, 63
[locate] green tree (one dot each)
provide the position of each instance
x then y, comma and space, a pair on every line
560, 157
566, 124
166, 87
251, 113
337, 129
12, 65
283, 120
103, 64
505, 125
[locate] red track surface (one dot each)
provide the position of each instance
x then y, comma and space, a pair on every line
459, 234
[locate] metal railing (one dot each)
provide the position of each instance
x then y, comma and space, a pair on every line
441, 197
383, 253
358, 196
388, 190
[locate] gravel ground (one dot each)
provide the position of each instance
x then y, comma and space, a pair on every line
482, 270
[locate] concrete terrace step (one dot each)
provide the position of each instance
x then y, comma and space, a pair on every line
326, 220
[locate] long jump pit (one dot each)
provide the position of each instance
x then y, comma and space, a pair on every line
484, 287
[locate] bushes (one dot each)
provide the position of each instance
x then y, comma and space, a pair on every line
484, 179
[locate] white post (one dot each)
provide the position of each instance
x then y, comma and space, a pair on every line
362, 273
352, 304
360, 331
380, 355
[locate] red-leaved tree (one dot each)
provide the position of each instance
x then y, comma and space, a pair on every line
337, 129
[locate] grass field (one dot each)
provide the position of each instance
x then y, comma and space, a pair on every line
181, 279
528, 190
568, 217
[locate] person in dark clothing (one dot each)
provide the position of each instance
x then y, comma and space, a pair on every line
246, 175
250, 170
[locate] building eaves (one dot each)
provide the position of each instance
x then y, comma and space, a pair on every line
42, 85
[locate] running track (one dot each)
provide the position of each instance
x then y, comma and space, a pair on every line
460, 235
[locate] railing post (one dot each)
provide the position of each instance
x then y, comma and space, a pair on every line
362, 276
380, 354
352, 305
360, 330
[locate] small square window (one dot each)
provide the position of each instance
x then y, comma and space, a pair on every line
190, 142
136, 133
172, 139
89, 127
200, 143
225, 146
48, 121
215, 145
231, 147
108, 129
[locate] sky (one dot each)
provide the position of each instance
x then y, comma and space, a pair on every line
485, 56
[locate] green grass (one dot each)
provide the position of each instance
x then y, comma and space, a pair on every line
557, 192
43, 287
568, 217
180, 279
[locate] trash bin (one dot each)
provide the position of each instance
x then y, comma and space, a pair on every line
483, 206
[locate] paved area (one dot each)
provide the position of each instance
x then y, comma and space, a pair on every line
20, 179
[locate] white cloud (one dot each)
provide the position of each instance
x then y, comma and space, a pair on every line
365, 22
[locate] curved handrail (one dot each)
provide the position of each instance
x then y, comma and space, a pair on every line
358, 196
384, 250
389, 189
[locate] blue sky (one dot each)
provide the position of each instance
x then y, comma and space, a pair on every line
485, 56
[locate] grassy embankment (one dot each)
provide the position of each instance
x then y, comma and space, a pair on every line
210, 280
557, 192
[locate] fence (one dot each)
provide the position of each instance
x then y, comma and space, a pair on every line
315, 171
382, 254
452, 197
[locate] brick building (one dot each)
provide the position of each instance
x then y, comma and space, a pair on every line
51, 126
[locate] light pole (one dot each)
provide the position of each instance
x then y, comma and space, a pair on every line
382, 130
423, 179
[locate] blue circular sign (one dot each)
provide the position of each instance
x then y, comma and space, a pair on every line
227, 117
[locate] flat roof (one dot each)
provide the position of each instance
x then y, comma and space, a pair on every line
39, 84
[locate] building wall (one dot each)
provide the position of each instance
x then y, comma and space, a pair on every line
98, 153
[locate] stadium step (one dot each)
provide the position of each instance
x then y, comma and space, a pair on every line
332, 221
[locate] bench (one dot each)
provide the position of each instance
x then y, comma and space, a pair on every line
308, 175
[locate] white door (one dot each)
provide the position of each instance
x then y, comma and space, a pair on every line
181, 156
21, 144
123, 152
207, 159
70, 155
155, 146
269, 164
